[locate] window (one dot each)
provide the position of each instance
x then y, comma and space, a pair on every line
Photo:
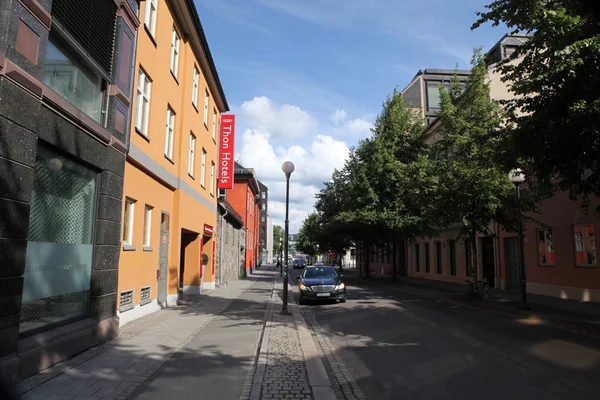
452, 254
174, 52
203, 168
212, 178
545, 247
195, 87
169, 133
206, 96
468, 258
417, 257
427, 259
438, 257
150, 17
128, 221
214, 127
71, 79
585, 245
191, 155
143, 103
148, 226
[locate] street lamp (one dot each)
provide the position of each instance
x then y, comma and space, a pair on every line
280, 256
287, 167
517, 177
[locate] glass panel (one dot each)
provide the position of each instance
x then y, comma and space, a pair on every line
59, 250
73, 82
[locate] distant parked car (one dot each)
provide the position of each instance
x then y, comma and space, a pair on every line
299, 263
321, 283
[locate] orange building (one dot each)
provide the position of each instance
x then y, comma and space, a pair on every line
169, 212
245, 199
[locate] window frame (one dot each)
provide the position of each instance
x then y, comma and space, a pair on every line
129, 217
203, 169
170, 134
206, 100
550, 255
191, 154
214, 124
175, 47
147, 242
143, 96
212, 178
150, 18
195, 87
585, 242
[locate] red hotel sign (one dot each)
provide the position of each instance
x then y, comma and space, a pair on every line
226, 154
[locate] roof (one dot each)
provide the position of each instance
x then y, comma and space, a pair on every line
231, 212
247, 174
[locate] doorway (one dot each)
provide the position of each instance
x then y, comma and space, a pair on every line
163, 257
511, 253
187, 238
487, 260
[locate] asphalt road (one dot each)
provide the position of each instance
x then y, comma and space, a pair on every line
400, 344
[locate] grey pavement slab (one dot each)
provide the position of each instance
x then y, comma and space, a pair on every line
114, 370
215, 362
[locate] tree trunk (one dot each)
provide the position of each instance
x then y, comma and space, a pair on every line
394, 260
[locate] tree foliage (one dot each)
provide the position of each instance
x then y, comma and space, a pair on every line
554, 120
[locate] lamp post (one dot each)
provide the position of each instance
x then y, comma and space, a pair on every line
517, 177
280, 256
287, 167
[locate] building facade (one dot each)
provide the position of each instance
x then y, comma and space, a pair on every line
231, 257
270, 253
245, 200
170, 208
264, 223
559, 245
65, 97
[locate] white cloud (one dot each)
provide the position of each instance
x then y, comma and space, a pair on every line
314, 165
286, 121
357, 128
338, 116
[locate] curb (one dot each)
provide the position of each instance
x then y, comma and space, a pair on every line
258, 372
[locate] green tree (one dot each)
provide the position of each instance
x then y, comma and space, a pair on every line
278, 234
309, 236
554, 120
460, 179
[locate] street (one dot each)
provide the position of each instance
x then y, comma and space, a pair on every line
399, 344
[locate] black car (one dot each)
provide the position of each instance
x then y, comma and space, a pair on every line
299, 263
321, 283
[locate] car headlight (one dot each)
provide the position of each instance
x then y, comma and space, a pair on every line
303, 287
340, 286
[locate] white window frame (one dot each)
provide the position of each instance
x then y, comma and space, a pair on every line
203, 168
195, 84
212, 178
206, 98
214, 127
191, 155
148, 225
175, 42
150, 13
548, 242
169, 133
142, 109
129, 211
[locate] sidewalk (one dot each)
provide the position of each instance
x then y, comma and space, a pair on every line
569, 314
168, 342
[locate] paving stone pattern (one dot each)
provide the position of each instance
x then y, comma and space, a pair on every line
285, 373
143, 346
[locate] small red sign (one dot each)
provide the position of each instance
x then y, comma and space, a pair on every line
226, 152
332, 255
208, 230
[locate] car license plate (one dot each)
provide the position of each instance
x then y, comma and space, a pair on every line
323, 294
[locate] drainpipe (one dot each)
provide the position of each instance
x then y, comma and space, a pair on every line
221, 244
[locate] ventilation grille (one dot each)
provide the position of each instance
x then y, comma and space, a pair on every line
92, 23
145, 293
126, 298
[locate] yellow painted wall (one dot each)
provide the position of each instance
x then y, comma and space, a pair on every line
138, 268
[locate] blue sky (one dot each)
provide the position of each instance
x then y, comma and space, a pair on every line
306, 78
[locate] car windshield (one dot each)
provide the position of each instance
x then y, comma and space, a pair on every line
320, 272
299, 261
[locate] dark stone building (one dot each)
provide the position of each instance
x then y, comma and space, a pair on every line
264, 213
65, 94
231, 255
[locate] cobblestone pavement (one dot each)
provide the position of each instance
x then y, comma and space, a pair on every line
285, 373
115, 369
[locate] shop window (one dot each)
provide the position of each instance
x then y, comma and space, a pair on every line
417, 258
438, 257
70, 78
58, 264
452, 254
128, 220
427, 259
545, 247
585, 245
